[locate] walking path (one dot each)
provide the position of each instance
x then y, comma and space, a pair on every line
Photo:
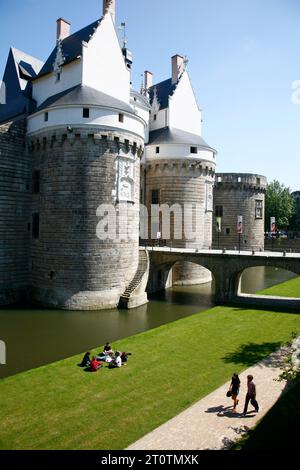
211, 423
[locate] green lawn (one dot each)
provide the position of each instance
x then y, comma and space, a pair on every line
59, 406
289, 288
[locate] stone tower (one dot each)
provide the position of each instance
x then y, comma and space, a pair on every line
86, 141
179, 167
235, 195
15, 176
85, 138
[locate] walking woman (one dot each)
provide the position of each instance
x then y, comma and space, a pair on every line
235, 388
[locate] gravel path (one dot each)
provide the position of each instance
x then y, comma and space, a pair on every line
211, 423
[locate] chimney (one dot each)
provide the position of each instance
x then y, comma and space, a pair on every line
148, 79
109, 6
177, 68
63, 29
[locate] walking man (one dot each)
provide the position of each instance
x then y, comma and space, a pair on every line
251, 395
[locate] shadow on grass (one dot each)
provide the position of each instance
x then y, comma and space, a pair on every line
241, 306
251, 353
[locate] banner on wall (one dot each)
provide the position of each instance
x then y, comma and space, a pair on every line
239, 226
272, 225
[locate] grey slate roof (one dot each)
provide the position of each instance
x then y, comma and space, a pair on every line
164, 90
71, 47
176, 136
19, 66
14, 108
15, 93
83, 95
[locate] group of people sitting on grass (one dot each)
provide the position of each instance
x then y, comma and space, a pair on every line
114, 359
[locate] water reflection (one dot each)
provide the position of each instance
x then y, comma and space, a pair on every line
36, 336
259, 278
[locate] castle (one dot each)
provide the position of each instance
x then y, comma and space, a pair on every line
74, 135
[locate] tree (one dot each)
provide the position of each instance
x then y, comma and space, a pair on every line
279, 204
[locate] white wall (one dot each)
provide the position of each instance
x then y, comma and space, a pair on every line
162, 120
183, 108
72, 116
141, 108
103, 63
178, 151
44, 87
102, 67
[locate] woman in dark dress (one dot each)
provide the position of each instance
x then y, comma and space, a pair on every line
235, 388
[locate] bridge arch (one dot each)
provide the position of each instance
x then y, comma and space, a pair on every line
226, 268
160, 276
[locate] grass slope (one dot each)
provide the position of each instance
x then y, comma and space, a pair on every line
59, 406
289, 288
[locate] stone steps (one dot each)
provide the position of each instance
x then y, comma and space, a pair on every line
141, 269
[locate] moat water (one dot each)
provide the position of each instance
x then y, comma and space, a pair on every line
37, 336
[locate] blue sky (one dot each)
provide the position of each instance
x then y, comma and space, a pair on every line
243, 55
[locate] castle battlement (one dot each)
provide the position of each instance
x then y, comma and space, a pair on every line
238, 181
194, 168
114, 141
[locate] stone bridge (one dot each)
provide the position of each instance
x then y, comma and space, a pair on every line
226, 268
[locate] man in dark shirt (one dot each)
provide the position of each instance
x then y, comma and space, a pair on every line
251, 395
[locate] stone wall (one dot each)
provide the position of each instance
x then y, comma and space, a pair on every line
73, 268
237, 193
283, 244
15, 196
183, 182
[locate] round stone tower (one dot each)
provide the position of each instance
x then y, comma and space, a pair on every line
86, 138
239, 195
78, 168
179, 172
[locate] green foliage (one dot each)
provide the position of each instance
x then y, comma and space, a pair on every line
279, 203
291, 365
295, 221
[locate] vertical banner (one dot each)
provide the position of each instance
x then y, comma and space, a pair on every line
219, 224
239, 227
272, 225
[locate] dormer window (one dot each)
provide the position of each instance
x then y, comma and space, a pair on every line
157, 150
86, 113
46, 116
194, 150
58, 76
155, 117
